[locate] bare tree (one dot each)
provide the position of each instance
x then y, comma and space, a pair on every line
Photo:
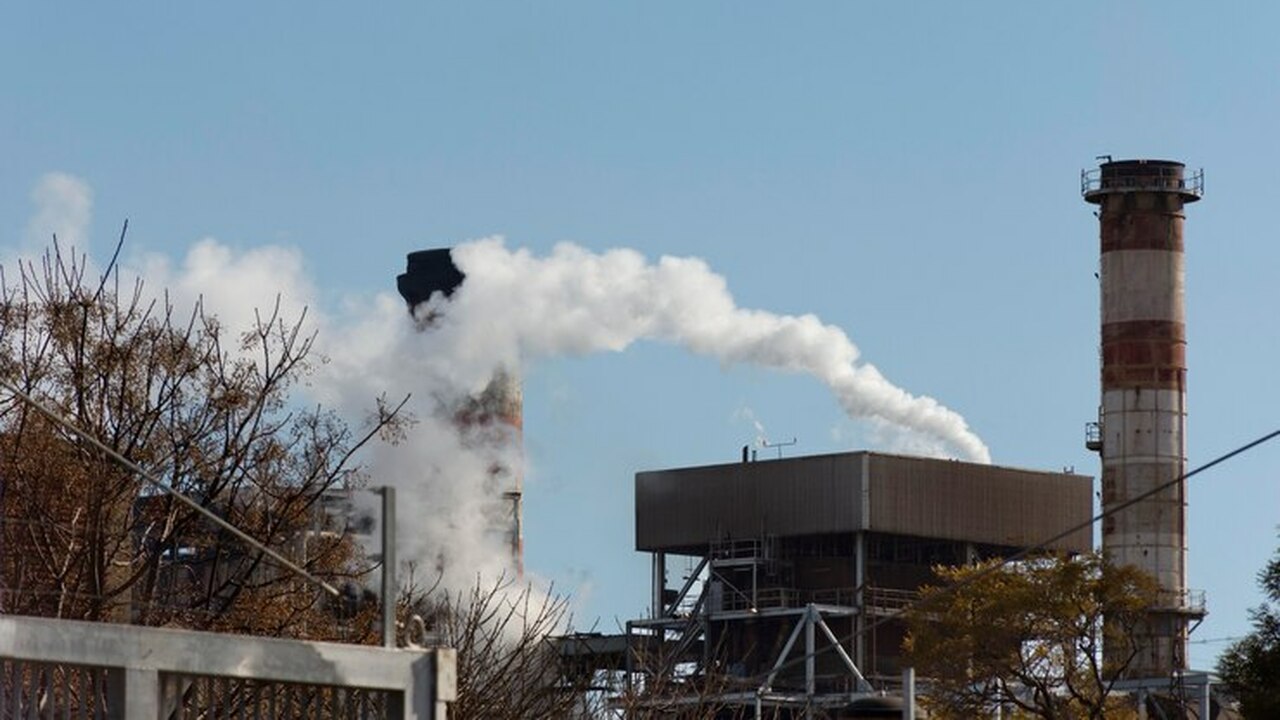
212, 416
508, 666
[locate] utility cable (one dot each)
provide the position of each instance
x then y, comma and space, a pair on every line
1040, 546
157, 483
1213, 641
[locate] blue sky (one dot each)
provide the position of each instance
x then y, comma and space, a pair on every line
909, 172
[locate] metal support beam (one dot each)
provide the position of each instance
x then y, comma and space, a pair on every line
810, 662
658, 584
628, 663
688, 585
782, 656
863, 685
390, 588
859, 580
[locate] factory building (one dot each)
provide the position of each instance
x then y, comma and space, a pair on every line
787, 576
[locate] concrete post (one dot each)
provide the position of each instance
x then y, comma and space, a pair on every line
133, 694
909, 693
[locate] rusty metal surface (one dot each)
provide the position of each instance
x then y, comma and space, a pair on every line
1144, 354
1144, 378
1131, 222
1119, 177
686, 509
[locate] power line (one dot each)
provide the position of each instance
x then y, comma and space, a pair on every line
165, 487
1212, 641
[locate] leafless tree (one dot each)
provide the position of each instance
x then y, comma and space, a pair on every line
210, 414
502, 630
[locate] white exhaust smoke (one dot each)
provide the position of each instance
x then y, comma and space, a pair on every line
513, 308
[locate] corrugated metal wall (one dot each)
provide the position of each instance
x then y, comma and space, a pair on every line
692, 507
686, 509
978, 503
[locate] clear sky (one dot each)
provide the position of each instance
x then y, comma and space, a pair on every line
907, 171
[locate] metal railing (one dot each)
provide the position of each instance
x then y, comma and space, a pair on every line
71, 669
736, 549
1191, 602
1149, 179
878, 598
765, 599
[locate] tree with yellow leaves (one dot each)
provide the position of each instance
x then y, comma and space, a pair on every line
1029, 636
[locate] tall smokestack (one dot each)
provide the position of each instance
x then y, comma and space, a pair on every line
499, 405
1141, 429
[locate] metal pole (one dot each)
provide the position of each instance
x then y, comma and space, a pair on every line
909, 693
659, 584
860, 598
389, 586
810, 680
629, 661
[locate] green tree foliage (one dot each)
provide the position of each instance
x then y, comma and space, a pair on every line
1251, 667
1028, 636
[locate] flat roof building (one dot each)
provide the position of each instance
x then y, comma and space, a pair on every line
828, 548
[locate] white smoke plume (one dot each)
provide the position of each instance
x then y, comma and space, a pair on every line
513, 308
236, 286
63, 205
745, 413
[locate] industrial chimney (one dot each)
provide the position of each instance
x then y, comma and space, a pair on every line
499, 406
1141, 428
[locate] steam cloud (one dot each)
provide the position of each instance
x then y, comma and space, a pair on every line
514, 307
63, 205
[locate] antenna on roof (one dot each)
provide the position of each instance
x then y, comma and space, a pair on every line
779, 445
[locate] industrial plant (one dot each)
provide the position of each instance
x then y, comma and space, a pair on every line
1141, 429
788, 577
797, 555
